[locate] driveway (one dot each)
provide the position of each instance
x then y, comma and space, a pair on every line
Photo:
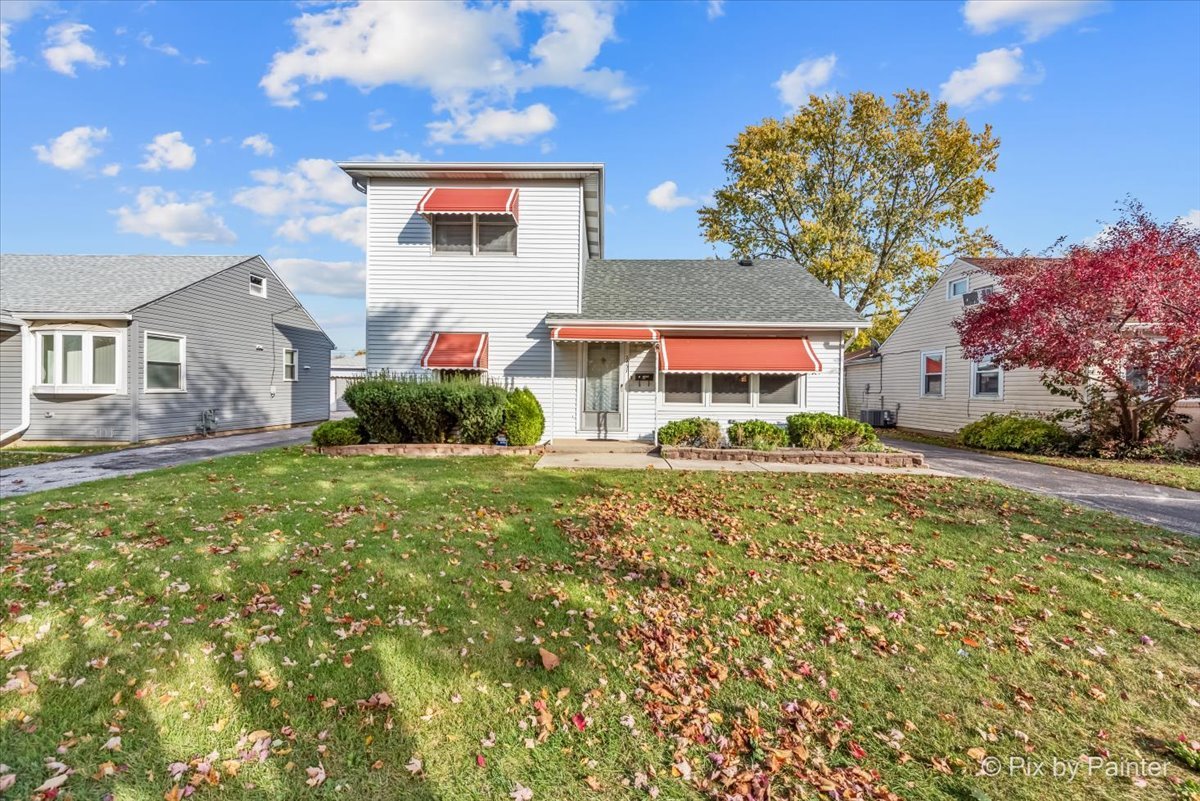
81, 469
1174, 509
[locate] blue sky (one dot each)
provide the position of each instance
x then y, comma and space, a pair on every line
182, 127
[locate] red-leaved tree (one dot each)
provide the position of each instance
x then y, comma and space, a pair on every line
1114, 325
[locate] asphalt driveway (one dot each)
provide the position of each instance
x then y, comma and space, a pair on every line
1169, 508
81, 469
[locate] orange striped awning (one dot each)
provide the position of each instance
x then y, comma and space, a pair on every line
475, 200
453, 350
603, 334
691, 354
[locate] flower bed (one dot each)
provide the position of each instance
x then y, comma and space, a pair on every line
426, 449
798, 456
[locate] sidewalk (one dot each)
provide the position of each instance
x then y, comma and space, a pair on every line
645, 461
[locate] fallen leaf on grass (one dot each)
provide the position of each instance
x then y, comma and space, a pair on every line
549, 660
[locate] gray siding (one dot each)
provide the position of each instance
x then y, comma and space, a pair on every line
234, 357
10, 380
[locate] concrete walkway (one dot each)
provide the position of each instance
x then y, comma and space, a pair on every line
81, 469
1169, 508
646, 461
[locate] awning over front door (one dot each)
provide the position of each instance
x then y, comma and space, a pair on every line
601, 334
452, 200
697, 354
454, 350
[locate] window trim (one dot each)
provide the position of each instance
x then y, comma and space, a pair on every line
975, 394
707, 402
87, 367
475, 251
941, 354
295, 365
964, 280
261, 278
146, 389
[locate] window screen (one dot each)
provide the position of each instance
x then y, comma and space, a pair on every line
731, 388
452, 234
778, 389
497, 236
683, 388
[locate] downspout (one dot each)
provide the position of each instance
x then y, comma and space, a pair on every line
28, 366
656, 346
550, 439
842, 373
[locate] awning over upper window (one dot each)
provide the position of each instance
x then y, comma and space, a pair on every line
600, 334
452, 350
450, 200
933, 365
693, 354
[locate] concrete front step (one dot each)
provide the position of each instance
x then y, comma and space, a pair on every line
561, 445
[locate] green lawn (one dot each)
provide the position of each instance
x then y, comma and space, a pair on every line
1181, 475
279, 626
29, 453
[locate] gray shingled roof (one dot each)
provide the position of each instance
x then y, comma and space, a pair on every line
654, 290
100, 284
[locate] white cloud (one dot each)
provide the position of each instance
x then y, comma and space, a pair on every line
716, 8
11, 12
666, 197
985, 80
169, 151
1036, 18
491, 125
1192, 218
471, 58
111, 170
315, 277
378, 120
161, 214
348, 226
310, 185
796, 85
72, 149
260, 143
65, 48
166, 49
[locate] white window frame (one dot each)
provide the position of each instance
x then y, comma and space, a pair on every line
923, 375
261, 278
56, 384
966, 284
146, 389
706, 400
475, 251
999, 394
295, 365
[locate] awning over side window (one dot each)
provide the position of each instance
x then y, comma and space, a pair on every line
451, 200
599, 334
933, 365
690, 354
452, 350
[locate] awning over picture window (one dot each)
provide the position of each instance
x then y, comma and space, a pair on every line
452, 350
451, 200
691, 354
601, 334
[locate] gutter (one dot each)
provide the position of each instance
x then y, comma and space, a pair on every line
73, 316
706, 324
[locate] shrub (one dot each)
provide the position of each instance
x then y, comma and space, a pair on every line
418, 410
694, 432
347, 431
757, 434
820, 431
524, 421
1015, 432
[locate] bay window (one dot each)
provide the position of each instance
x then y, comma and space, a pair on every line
165, 369
78, 360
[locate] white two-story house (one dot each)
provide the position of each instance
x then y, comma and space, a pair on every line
499, 269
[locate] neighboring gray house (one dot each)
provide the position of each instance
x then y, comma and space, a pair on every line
138, 348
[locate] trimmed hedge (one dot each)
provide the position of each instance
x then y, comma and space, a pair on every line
1015, 432
524, 421
757, 434
820, 431
347, 431
398, 410
693, 432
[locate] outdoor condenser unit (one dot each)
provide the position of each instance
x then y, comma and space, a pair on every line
879, 418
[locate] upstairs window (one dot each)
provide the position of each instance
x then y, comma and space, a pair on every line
932, 364
474, 234
258, 286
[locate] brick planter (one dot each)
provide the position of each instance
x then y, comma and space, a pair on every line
797, 456
426, 449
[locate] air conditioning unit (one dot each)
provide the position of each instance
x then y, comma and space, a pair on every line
878, 418
971, 298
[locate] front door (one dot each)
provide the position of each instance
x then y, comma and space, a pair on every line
602, 411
